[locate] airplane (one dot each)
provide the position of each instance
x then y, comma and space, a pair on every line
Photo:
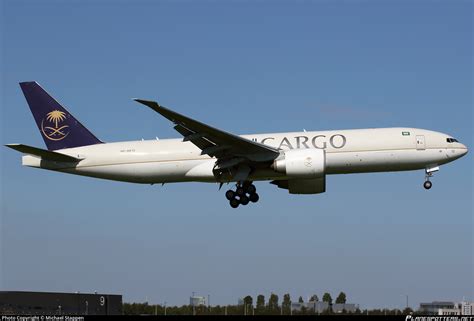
297, 161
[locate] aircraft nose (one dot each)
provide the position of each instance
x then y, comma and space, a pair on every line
457, 151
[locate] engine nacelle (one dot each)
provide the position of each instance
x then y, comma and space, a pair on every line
303, 185
301, 163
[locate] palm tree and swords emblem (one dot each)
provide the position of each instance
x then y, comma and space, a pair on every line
58, 132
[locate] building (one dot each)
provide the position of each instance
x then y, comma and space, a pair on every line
433, 307
197, 301
447, 308
321, 307
344, 307
448, 311
461, 308
467, 308
315, 306
297, 306
53, 303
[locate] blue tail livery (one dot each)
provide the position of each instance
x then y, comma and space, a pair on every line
57, 126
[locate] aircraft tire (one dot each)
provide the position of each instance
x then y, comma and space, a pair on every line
251, 189
230, 194
234, 203
254, 197
244, 200
240, 191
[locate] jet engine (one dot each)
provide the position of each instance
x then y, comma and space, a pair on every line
301, 163
305, 170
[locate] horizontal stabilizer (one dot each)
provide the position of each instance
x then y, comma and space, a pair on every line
43, 153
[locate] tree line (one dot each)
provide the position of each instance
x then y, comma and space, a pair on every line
261, 307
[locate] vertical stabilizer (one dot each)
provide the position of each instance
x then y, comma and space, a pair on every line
57, 126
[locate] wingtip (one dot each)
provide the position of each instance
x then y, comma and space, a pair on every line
149, 103
14, 146
11, 145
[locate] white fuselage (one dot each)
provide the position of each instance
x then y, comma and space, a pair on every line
347, 151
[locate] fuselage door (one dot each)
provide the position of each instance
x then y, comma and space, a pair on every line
420, 142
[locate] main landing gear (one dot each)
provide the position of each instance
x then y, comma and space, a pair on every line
243, 194
428, 174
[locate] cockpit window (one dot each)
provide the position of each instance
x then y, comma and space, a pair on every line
452, 140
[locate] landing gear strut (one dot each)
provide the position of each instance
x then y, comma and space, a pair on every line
244, 193
428, 174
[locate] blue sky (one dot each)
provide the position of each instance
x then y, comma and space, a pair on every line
246, 67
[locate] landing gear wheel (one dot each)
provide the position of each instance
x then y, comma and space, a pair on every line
251, 189
427, 185
230, 194
234, 203
244, 200
240, 191
254, 197
244, 193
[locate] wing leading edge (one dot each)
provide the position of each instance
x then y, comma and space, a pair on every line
230, 150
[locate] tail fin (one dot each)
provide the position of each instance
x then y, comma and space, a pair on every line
57, 126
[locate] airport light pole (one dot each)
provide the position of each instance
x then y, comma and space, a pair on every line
209, 303
406, 296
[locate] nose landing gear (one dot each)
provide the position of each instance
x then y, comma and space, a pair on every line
428, 174
244, 193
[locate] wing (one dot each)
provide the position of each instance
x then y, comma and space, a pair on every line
230, 150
